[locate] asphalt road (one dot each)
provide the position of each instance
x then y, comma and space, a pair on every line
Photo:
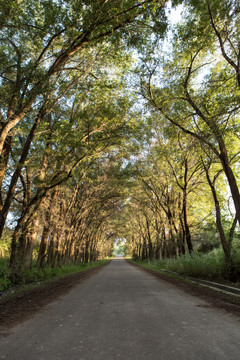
124, 313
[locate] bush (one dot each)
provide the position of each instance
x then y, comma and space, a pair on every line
207, 246
22, 276
209, 266
5, 281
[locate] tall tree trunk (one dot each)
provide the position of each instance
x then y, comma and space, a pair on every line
139, 251
46, 230
231, 179
182, 236
150, 247
3, 165
185, 219
86, 251
16, 174
31, 240
144, 249
223, 239
13, 255
158, 254
51, 254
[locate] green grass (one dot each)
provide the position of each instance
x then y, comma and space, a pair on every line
36, 275
210, 266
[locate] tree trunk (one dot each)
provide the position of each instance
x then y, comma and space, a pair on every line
187, 230
139, 251
31, 240
46, 231
164, 242
51, 254
182, 237
144, 249
3, 165
150, 247
8, 201
231, 180
86, 252
223, 239
158, 246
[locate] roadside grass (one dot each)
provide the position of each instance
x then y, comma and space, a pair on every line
37, 276
211, 266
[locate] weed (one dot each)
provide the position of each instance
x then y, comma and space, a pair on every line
209, 266
35, 275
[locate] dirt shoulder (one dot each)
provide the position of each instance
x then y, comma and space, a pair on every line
18, 308
215, 299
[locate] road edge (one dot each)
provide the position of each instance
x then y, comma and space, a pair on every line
21, 307
215, 297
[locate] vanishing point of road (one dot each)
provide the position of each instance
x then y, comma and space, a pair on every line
125, 313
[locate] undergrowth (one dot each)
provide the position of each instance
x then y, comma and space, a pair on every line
210, 266
4, 274
36, 275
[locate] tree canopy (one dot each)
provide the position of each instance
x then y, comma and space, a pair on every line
116, 124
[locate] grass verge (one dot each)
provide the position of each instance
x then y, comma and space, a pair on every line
211, 266
36, 276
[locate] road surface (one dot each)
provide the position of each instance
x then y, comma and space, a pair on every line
124, 313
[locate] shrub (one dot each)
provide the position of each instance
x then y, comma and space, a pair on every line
4, 274
209, 266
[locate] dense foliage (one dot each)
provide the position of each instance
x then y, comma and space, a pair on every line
118, 123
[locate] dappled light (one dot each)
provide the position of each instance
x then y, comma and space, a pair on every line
118, 124
119, 146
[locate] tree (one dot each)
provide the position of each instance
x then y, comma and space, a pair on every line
72, 139
203, 105
47, 57
44, 47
